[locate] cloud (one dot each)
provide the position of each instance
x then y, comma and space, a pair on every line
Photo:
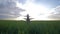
55, 13
48, 3
22, 1
9, 9
7, 3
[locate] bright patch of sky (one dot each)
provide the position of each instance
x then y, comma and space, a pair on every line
51, 3
39, 9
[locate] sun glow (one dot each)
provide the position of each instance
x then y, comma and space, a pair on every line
34, 10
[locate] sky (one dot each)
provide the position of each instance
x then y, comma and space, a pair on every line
37, 9
8, 9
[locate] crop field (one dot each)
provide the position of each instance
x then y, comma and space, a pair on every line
34, 27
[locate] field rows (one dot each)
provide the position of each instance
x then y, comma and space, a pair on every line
35, 27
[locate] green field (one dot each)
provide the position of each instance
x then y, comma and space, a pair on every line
35, 27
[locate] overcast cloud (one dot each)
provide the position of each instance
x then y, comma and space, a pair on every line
8, 9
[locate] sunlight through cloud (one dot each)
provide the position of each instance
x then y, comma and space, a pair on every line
35, 10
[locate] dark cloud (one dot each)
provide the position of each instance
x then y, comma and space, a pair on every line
8, 9
7, 3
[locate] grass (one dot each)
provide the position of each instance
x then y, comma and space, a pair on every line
35, 27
